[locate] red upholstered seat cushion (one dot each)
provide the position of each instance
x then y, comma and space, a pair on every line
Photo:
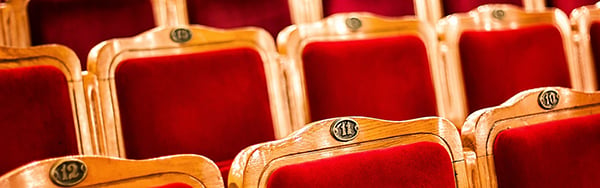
36, 116
499, 64
212, 103
381, 7
457, 6
174, 185
423, 164
81, 25
560, 153
387, 78
568, 5
595, 42
272, 15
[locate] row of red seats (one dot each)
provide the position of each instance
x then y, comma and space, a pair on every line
82, 24
148, 92
545, 137
162, 92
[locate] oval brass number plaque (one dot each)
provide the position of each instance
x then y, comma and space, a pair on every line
353, 23
68, 172
181, 35
498, 14
344, 129
548, 99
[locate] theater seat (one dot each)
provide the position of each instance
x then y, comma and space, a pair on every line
359, 64
272, 15
306, 11
380, 7
192, 89
569, 5
586, 21
461, 6
42, 111
356, 152
500, 50
546, 137
82, 24
177, 171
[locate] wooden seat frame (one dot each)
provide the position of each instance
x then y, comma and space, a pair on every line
106, 56
293, 39
253, 166
66, 61
14, 24
582, 19
513, 17
482, 127
103, 171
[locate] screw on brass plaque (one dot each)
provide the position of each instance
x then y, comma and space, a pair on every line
68, 172
548, 99
498, 14
181, 35
344, 129
353, 23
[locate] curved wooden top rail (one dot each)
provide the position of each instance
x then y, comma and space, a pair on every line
102, 171
254, 164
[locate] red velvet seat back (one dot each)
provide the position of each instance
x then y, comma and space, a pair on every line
272, 15
457, 6
499, 64
36, 116
422, 164
560, 153
568, 5
381, 7
81, 24
212, 103
387, 78
595, 45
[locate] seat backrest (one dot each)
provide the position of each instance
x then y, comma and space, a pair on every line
191, 89
568, 5
177, 171
500, 50
461, 6
82, 24
272, 15
314, 10
380, 7
356, 152
545, 137
359, 64
586, 21
43, 109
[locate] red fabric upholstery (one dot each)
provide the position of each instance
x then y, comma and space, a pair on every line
174, 185
457, 6
595, 42
423, 164
36, 118
561, 153
499, 64
387, 78
272, 15
381, 7
212, 103
81, 24
568, 5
